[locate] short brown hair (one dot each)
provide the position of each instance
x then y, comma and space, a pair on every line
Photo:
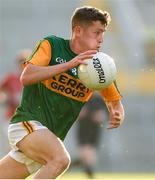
86, 15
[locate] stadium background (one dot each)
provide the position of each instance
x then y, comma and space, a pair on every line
131, 35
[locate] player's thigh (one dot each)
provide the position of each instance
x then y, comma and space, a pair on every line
42, 146
11, 169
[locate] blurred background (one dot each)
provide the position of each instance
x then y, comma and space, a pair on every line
130, 40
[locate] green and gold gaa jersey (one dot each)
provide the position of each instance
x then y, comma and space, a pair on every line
56, 102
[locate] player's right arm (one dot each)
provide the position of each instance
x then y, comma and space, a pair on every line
38, 69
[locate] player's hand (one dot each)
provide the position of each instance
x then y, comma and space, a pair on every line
116, 111
79, 59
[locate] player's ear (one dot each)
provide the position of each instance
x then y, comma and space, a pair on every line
77, 30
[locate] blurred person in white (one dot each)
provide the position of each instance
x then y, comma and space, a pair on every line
10, 93
53, 97
88, 134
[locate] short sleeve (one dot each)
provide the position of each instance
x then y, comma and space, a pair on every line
41, 55
111, 93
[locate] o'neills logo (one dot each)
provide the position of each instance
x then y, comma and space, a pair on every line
99, 69
69, 86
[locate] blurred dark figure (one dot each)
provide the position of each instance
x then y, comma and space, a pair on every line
10, 87
150, 50
89, 129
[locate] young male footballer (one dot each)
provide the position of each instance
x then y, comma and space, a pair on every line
53, 97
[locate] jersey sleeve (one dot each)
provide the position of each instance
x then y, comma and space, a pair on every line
41, 55
111, 93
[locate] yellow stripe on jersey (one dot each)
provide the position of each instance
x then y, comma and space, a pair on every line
68, 86
41, 56
28, 126
111, 93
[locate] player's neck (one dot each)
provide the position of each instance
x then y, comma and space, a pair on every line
75, 46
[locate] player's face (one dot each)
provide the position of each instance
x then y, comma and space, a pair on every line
91, 37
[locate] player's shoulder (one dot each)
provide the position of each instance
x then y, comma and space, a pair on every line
54, 38
56, 41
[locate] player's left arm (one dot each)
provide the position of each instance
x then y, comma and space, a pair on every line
112, 98
116, 112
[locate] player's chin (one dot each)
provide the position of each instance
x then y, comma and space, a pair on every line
96, 48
